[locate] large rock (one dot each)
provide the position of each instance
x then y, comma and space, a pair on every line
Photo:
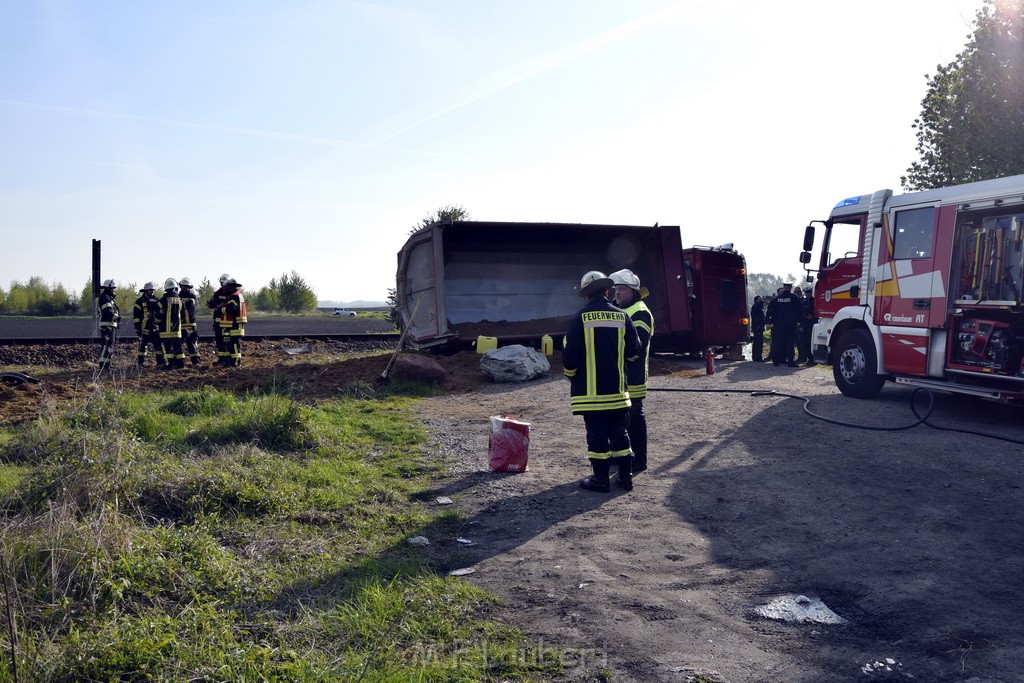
417, 368
514, 363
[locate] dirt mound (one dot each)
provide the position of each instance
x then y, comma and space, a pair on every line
69, 372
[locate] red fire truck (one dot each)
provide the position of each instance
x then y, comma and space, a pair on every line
924, 289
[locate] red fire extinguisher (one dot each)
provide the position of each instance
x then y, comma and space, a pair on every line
709, 361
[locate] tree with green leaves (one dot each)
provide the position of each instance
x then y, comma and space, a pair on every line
125, 297
85, 299
205, 290
36, 297
268, 298
295, 295
971, 125
765, 284
451, 212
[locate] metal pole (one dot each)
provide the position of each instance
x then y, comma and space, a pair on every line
95, 277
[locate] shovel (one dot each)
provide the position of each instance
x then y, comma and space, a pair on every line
401, 340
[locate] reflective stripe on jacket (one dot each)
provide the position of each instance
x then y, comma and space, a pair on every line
233, 314
638, 371
188, 310
144, 313
168, 318
110, 314
599, 341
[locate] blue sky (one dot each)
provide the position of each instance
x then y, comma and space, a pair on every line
256, 137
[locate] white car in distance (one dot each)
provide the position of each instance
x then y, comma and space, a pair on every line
344, 311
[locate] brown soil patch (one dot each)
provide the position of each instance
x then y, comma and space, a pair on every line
69, 372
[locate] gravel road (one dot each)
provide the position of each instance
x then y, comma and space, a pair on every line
911, 538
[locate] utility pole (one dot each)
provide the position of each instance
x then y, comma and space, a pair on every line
95, 276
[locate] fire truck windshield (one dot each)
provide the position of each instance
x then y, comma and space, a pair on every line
842, 240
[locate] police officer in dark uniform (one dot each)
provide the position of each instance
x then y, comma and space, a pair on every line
786, 313
757, 330
600, 341
809, 318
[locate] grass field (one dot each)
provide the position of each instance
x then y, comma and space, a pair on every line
209, 536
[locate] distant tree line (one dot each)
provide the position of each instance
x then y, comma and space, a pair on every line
37, 297
290, 293
767, 284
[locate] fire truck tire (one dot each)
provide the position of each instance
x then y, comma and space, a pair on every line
854, 368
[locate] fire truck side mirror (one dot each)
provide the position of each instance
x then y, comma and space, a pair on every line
808, 239
805, 257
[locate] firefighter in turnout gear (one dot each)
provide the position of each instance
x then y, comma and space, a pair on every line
168, 320
189, 334
215, 302
600, 341
144, 319
110, 316
232, 322
629, 297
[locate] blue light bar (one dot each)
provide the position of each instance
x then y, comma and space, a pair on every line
849, 201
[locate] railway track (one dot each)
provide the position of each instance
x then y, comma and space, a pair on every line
62, 331
59, 341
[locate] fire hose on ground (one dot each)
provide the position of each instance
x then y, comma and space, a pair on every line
922, 418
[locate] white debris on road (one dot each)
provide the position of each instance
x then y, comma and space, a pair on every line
799, 609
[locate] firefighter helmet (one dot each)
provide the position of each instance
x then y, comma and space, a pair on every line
108, 284
224, 278
170, 283
232, 283
184, 282
594, 281
149, 285
625, 277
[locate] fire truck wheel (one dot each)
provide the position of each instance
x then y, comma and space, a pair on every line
855, 366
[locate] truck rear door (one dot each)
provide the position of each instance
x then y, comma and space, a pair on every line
420, 292
719, 296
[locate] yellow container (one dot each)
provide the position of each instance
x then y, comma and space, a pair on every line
547, 345
484, 343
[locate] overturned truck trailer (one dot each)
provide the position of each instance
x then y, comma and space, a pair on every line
516, 282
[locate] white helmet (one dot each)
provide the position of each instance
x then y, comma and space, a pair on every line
594, 281
184, 282
170, 283
224, 278
149, 285
626, 277
108, 284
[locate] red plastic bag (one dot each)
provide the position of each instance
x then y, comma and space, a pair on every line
508, 447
